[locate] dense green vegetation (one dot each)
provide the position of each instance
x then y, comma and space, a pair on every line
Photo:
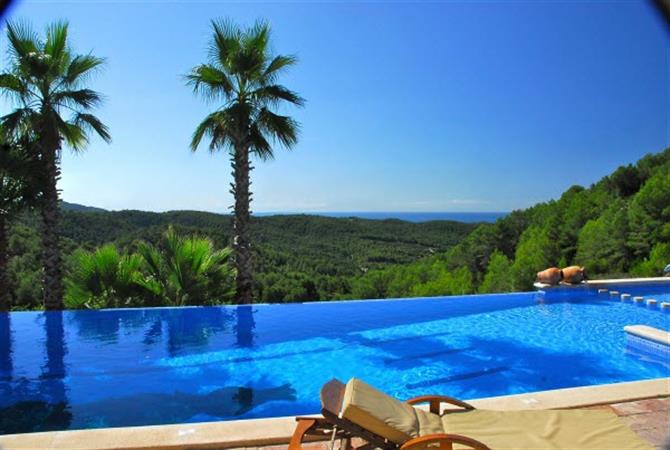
297, 258
618, 226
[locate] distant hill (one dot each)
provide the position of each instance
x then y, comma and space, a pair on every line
297, 257
66, 206
617, 227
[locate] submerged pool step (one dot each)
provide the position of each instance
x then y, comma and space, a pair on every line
640, 300
651, 334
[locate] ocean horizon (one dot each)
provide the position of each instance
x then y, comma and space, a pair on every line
468, 217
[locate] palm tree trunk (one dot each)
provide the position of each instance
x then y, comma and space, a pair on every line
241, 232
5, 297
52, 260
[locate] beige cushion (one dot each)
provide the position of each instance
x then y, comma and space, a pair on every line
545, 429
379, 413
429, 423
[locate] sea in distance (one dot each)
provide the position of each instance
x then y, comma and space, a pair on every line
469, 217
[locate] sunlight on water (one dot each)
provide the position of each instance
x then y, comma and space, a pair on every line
85, 369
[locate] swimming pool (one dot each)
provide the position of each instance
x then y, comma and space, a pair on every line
88, 369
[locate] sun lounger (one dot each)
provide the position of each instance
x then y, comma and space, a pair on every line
357, 410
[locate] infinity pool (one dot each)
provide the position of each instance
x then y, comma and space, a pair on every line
89, 369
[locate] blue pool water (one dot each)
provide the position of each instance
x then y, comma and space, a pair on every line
87, 369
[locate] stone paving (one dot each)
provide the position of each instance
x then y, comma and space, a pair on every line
650, 419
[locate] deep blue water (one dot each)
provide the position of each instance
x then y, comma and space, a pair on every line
87, 369
469, 217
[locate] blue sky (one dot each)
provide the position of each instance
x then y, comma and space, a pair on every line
441, 106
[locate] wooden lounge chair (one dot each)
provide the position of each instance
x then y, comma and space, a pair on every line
357, 410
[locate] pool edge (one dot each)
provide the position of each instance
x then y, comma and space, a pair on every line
274, 431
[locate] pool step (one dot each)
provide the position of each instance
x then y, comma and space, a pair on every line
649, 333
639, 300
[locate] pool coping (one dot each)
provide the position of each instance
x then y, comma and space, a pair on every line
278, 430
601, 283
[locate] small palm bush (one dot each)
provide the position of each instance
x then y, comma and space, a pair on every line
105, 278
178, 271
187, 271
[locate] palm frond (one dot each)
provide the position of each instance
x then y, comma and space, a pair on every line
274, 94
11, 84
73, 134
56, 38
281, 128
257, 38
278, 64
216, 126
88, 122
22, 39
226, 41
210, 82
81, 66
259, 144
18, 122
86, 98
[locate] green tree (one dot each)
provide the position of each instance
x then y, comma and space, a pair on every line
104, 278
47, 81
653, 265
24, 270
498, 276
534, 253
186, 271
649, 213
18, 190
242, 74
601, 245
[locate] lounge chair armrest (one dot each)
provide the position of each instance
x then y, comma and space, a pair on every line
436, 400
304, 426
446, 442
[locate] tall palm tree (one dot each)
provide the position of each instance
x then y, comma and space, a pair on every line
47, 82
241, 76
18, 190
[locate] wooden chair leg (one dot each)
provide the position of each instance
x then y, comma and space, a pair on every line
303, 426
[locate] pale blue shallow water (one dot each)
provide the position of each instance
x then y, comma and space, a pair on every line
87, 369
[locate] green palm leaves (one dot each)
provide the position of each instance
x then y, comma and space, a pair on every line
241, 75
187, 271
103, 278
178, 271
47, 80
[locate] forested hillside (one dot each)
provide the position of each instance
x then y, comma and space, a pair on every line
619, 226
298, 258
